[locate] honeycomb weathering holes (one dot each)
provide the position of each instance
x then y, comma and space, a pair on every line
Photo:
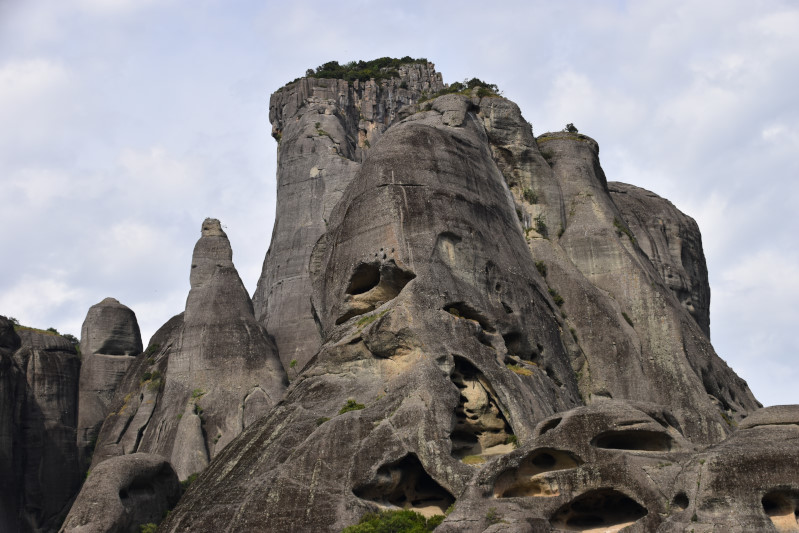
634, 440
526, 480
607, 509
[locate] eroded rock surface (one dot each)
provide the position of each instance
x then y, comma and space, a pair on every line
110, 342
123, 493
324, 129
206, 375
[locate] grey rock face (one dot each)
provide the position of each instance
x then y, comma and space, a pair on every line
206, 375
672, 242
324, 129
11, 401
123, 493
110, 342
46, 450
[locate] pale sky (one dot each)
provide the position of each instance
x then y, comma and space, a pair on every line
126, 122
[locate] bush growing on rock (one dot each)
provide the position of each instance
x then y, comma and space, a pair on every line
395, 522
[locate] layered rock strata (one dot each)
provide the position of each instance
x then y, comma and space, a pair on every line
472, 283
206, 375
110, 342
324, 129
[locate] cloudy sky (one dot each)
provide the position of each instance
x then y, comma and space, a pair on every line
126, 122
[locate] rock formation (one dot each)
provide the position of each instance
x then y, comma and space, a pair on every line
324, 129
477, 289
131, 490
206, 375
39, 374
110, 342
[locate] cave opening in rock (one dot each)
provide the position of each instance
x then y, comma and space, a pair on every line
782, 508
529, 479
549, 425
406, 484
464, 310
480, 427
680, 501
365, 277
634, 440
605, 508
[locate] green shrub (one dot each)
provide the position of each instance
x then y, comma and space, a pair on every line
351, 405
558, 299
513, 440
197, 393
186, 483
53, 330
530, 195
321, 420
492, 516
151, 349
148, 528
621, 228
404, 521
547, 155
542, 268
377, 69
541, 225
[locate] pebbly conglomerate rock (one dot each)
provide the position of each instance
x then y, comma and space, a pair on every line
325, 128
110, 342
207, 374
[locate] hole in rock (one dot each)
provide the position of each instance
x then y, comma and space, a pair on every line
406, 484
549, 425
464, 310
782, 508
480, 427
680, 501
650, 441
371, 285
365, 278
529, 478
605, 510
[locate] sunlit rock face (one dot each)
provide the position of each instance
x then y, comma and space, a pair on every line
207, 374
491, 336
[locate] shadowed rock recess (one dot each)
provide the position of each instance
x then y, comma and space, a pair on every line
475, 322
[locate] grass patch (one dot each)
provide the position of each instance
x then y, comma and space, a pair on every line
542, 268
186, 483
522, 371
197, 393
368, 319
474, 460
351, 405
512, 440
541, 226
321, 420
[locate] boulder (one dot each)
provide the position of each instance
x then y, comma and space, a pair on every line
123, 493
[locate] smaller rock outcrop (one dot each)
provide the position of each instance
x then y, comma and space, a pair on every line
110, 342
207, 374
123, 493
46, 446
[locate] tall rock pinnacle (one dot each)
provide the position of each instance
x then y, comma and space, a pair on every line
207, 374
110, 342
324, 128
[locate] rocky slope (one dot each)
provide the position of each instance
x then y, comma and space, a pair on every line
477, 289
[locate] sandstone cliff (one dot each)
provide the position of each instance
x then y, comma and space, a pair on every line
206, 375
476, 289
324, 129
39, 374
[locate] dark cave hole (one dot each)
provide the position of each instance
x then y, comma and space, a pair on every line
650, 441
782, 508
365, 278
406, 484
464, 310
525, 480
598, 508
680, 501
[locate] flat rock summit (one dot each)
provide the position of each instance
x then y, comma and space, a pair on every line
458, 324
